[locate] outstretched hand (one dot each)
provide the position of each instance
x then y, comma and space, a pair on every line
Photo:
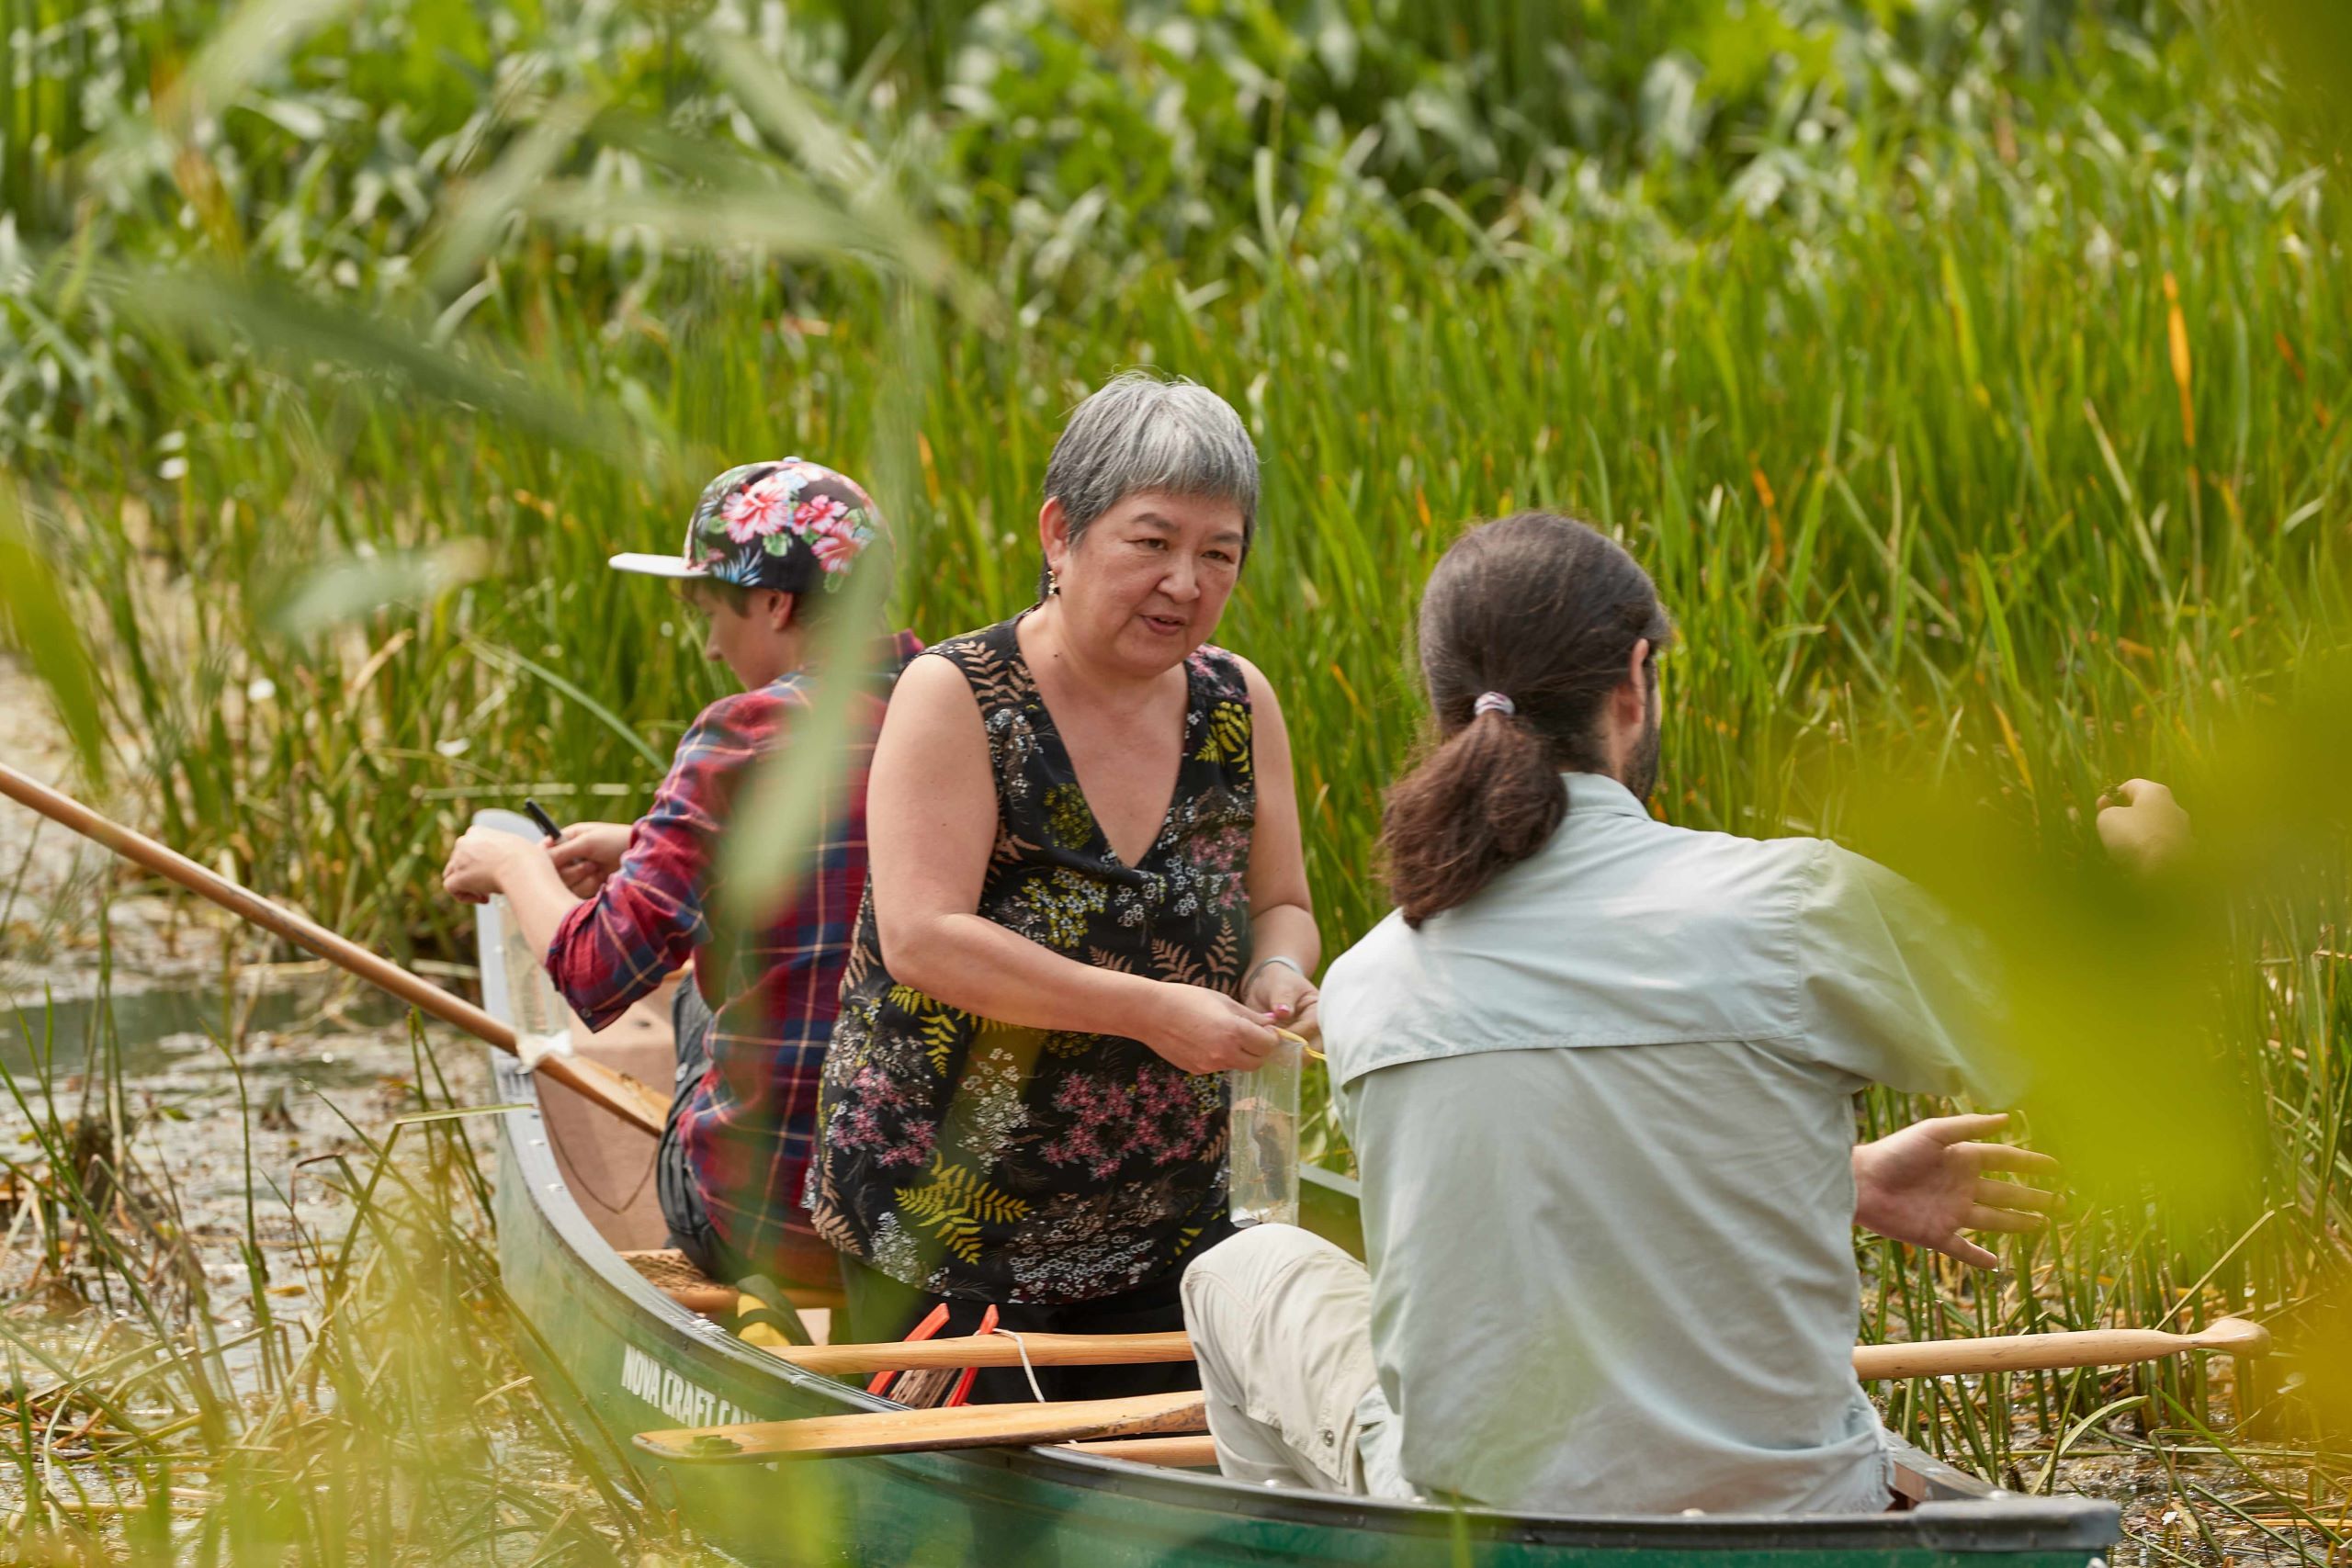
1927, 1183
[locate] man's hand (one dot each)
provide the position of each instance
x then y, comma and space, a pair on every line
479, 859
588, 853
1925, 1184
2142, 826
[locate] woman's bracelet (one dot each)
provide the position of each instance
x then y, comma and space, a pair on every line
1289, 964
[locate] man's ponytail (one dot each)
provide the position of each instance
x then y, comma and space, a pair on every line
1484, 800
1526, 626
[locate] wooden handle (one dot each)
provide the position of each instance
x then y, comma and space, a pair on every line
982, 1426
1924, 1358
1189, 1453
911, 1431
624, 1096
2049, 1353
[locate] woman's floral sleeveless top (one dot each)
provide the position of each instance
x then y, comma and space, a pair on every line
969, 1157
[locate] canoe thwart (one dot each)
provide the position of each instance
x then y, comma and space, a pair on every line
916, 1431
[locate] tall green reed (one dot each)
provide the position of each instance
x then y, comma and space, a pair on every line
1981, 427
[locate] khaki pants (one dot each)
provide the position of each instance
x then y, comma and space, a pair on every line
1281, 1325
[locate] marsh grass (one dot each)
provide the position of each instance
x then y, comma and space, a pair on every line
1973, 391
156, 1415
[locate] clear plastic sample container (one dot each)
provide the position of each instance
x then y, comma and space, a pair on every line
538, 1010
1261, 1165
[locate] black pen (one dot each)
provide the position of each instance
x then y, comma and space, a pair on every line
538, 813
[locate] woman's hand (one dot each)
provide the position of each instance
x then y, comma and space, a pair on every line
588, 852
1201, 1031
1928, 1183
479, 859
1281, 993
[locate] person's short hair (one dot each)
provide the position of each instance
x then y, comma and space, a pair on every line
706, 592
808, 609
1138, 432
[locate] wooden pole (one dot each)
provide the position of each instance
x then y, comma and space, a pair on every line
623, 1095
1186, 1453
1147, 1415
1872, 1363
2049, 1353
910, 1431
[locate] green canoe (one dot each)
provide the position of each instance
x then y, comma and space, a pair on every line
575, 1192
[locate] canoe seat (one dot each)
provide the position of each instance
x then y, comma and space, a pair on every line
666, 1269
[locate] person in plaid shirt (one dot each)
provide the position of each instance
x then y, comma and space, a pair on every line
618, 906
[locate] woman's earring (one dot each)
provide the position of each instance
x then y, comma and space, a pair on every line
1053, 584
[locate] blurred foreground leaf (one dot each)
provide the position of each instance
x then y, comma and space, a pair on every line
358, 585
2117, 999
39, 623
478, 216
796, 790
248, 44
2322, 1345
288, 322
2142, 1005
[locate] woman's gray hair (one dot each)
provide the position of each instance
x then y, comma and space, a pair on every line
1140, 433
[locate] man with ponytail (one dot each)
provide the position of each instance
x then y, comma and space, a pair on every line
1598, 1071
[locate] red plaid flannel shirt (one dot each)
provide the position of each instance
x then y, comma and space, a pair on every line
746, 1127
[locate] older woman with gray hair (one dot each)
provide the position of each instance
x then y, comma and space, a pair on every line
1087, 901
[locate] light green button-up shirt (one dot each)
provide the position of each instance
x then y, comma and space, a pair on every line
1603, 1114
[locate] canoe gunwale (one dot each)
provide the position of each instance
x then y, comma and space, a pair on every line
523, 1132
1967, 1516
1992, 1523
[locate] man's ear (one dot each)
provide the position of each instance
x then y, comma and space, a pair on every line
779, 609
1633, 698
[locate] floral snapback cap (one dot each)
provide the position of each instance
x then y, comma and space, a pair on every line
792, 526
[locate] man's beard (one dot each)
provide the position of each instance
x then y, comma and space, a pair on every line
1641, 765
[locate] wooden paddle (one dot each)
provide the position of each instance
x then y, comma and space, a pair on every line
2051, 1352
1926, 1359
1198, 1452
624, 1096
909, 1431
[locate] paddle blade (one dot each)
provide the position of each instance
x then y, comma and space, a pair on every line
2234, 1336
921, 1431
